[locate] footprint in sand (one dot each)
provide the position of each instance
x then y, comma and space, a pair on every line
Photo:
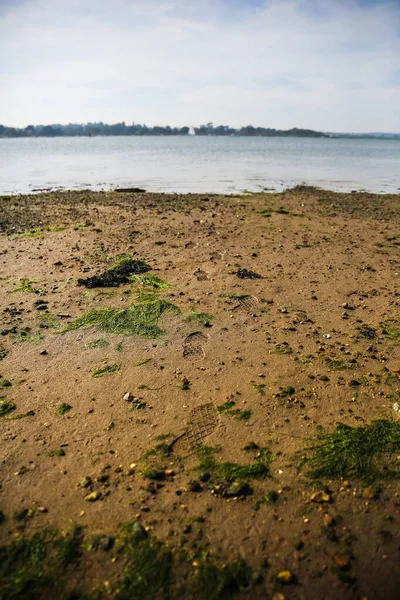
248, 304
202, 422
193, 345
201, 275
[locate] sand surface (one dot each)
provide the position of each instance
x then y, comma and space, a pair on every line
327, 298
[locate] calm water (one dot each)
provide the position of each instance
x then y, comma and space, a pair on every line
198, 164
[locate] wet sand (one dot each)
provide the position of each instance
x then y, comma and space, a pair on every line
312, 342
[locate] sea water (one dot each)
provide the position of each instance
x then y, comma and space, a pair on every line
198, 164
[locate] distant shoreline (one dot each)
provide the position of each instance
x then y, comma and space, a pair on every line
394, 137
139, 130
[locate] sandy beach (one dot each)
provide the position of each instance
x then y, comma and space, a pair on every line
230, 396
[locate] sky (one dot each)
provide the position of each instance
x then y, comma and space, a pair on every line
329, 65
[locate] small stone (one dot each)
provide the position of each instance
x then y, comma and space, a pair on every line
341, 561
321, 497
328, 520
169, 472
237, 488
42, 509
278, 596
187, 529
299, 545
128, 397
194, 486
285, 577
93, 497
204, 476
369, 493
86, 482
106, 543
251, 446
138, 531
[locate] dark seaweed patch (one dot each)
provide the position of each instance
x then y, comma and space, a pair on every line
117, 275
246, 274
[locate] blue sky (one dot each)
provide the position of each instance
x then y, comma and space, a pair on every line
332, 65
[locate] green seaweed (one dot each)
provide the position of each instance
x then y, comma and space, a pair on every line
150, 281
185, 385
148, 572
30, 413
391, 329
283, 348
38, 566
356, 452
161, 450
229, 471
337, 364
57, 452
211, 582
164, 436
6, 407
26, 335
200, 317
240, 415
100, 343
25, 285
68, 546
225, 406
44, 564
48, 321
63, 408
143, 362
137, 405
286, 391
39, 231
100, 371
139, 319
260, 387
270, 497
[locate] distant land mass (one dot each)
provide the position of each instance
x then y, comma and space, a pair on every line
103, 129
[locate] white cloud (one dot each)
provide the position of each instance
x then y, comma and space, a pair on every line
306, 63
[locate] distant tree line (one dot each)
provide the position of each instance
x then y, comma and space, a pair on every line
94, 129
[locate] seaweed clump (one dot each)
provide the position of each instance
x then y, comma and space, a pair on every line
247, 274
6, 407
35, 567
141, 318
150, 281
229, 471
356, 452
118, 274
153, 570
201, 317
43, 566
148, 572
